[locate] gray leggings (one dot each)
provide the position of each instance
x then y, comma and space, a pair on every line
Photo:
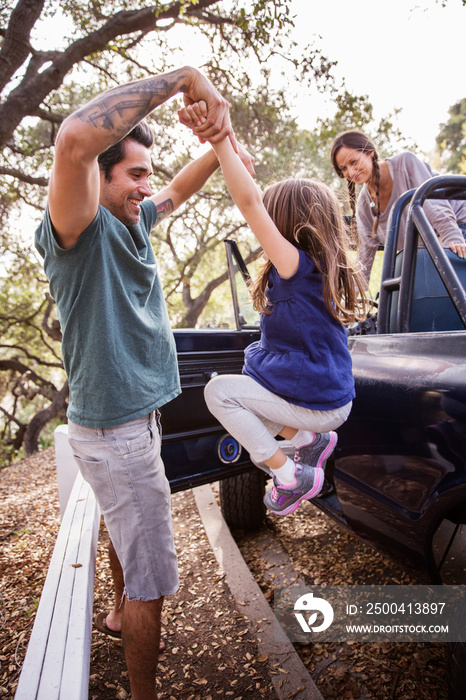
254, 416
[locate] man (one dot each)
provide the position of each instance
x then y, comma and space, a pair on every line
118, 349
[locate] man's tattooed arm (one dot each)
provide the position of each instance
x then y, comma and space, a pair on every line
118, 110
164, 209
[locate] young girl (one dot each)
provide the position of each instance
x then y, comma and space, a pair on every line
297, 380
355, 158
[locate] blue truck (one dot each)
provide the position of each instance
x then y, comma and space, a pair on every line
398, 476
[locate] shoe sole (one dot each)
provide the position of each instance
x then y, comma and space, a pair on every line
100, 623
316, 489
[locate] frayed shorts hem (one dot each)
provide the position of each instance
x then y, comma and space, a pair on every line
146, 599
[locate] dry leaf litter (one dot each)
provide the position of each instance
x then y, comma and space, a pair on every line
210, 652
322, 552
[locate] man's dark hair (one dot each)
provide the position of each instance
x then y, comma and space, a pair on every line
142, 133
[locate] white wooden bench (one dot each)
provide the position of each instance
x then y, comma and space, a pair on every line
58, 655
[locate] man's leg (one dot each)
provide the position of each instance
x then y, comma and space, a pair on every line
141, 639
124, 467
113, 620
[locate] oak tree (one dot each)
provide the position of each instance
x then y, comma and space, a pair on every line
48, 69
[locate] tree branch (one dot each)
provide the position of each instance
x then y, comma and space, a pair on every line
57, 405
28, 96
196, 306
30, 356
47, 116
22, 369
16, 46
12, 172
53, 329
11, 418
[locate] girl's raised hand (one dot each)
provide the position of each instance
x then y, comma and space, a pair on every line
193, 115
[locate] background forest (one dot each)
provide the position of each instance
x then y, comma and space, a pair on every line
44, 76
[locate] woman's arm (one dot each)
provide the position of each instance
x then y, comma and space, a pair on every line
439, 213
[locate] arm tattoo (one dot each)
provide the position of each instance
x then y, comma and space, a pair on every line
164, 209
120, 109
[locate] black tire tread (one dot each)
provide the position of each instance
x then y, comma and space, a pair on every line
241, 500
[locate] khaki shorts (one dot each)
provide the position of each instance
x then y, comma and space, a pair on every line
125, 470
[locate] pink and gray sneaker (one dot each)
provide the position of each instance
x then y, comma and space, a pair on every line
316, 453
309, 474
285, 499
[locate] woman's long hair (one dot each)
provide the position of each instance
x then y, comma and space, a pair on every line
307, 213
358, 142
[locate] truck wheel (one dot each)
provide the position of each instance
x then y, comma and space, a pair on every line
241, 500
456, 670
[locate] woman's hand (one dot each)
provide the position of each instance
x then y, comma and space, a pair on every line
459, 249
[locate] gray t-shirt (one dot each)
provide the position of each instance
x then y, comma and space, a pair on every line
118, 348
407, 171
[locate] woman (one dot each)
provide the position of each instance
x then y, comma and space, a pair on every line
355, 158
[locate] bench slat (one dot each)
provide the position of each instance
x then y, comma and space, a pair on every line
77, 658
50, 677
58, 655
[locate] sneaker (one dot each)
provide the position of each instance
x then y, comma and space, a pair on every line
316, 453
285, 499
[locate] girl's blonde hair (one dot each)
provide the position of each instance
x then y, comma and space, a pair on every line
307, 213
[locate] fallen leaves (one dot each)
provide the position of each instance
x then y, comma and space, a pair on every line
319, 551
210, 653
29, 523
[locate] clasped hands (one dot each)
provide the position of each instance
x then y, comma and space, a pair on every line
194, 116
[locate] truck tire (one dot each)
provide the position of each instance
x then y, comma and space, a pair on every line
456, 670
241, 500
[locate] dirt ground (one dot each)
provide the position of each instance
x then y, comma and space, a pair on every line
321, 551
209, 650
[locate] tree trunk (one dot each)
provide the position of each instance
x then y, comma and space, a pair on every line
31, 437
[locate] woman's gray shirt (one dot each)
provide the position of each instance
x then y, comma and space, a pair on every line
407, 171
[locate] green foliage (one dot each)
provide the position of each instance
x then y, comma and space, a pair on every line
103, 44
106, 43
451, 141
30, 359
